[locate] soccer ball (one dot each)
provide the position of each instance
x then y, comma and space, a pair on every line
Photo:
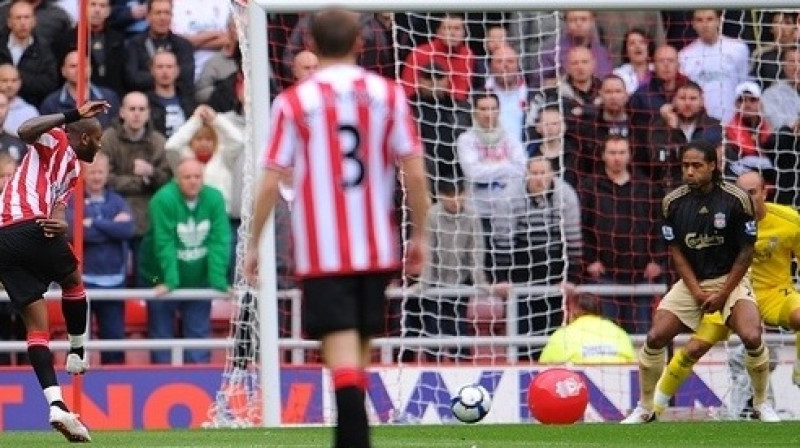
471, 403
558, 396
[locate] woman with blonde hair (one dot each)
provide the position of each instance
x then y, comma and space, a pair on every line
212, 139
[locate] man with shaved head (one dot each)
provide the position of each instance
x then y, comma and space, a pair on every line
506, 81
33, 247
648, 101
304, 65
186, 246
137, 161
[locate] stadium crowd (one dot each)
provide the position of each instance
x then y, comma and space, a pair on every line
550, 140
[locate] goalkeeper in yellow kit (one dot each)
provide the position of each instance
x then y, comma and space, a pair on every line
778, 300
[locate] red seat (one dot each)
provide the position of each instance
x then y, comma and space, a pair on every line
135, 317
221, 316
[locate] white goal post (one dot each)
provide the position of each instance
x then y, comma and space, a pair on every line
514, 5
259, 95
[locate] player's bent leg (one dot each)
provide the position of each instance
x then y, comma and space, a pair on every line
41, 359
710, 331
678, 369
342, 352
75, 308
652, 358
745, 321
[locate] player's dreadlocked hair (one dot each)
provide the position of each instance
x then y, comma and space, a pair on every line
710, 154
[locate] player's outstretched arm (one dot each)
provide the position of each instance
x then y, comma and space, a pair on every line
31, 129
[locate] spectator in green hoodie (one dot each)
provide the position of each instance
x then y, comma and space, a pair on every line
186, 246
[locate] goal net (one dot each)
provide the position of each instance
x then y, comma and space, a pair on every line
525, 214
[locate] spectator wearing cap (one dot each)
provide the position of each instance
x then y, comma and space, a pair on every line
441, 120
588, 338
749, 139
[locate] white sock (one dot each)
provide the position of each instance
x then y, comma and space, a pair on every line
76, 340
661, 399
53, 393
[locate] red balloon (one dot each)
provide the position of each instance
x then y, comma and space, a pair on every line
558, 397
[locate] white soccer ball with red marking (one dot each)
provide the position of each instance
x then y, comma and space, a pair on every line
471, 403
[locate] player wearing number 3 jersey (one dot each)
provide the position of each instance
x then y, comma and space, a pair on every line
343, 131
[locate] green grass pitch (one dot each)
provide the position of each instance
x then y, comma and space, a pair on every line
656, 435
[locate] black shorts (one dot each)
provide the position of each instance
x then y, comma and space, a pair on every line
29, 262
345, 302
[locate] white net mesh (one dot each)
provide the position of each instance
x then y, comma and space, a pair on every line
238, 400
552, 106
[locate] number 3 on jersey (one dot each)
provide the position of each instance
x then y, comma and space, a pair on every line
353, 168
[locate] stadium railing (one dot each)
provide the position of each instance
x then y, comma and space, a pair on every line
294, 342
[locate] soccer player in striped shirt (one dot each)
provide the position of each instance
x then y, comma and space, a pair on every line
33, 247
343, 130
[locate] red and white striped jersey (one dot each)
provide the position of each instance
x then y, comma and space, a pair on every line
343, 130
45, 176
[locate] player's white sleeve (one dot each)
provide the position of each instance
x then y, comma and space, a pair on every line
403, 138
283, 136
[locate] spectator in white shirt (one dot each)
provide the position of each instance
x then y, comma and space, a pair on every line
717, 63
637, 57
19, 110
781, 101
493, 163
506, 81
204, 24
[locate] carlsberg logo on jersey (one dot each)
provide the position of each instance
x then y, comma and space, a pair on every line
193, 236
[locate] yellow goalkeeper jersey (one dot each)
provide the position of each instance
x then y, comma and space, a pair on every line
589, 339
778, 242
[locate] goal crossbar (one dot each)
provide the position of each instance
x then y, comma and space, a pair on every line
515, 5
